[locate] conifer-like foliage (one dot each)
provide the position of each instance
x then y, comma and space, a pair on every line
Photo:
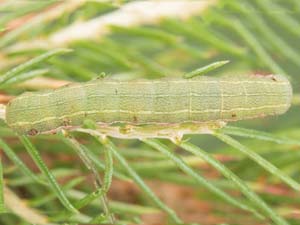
244, 173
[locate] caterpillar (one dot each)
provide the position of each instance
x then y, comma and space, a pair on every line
150, 107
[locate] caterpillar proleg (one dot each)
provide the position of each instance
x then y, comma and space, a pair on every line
150, 107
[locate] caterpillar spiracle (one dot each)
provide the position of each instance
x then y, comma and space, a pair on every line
150, 108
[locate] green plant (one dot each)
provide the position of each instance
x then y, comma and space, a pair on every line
251, 179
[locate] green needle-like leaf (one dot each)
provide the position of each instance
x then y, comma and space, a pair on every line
44, 169
19, 163
141, 183
243, 132
2, 207
109, 169
254, 198
131, 172
82, 152
259, 160
202, 181
24, 76
205, 69
16, 71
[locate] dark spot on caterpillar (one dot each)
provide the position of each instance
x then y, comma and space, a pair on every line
32, 132
66, 122
116, 91
266, 75
135, 119
63, 86
273, 78
124, 129
233, 115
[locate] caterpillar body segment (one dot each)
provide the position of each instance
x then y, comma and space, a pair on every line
203, 102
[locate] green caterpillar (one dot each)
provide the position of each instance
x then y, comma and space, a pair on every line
163, 102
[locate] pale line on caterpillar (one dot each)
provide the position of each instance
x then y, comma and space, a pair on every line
190, 99
222, 100
146, 112
182, 95
150, 95
247, 94
157, 82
